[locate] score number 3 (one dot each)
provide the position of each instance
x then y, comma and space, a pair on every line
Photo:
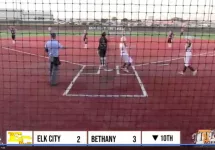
134, 139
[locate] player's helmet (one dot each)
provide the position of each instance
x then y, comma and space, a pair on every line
188, 40
49, 28
53, 35
104, 34
123, 39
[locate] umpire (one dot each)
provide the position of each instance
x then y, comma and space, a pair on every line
52, 47
102, 49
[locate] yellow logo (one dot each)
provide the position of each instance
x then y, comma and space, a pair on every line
204, 137
19, 137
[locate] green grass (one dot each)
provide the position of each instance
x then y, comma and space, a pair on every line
98, 33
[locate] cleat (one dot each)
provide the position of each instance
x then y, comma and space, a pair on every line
181, 73
194, 73
126, 70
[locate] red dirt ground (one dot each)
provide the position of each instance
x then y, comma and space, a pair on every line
175, 102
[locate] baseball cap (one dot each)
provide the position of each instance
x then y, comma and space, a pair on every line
53, 35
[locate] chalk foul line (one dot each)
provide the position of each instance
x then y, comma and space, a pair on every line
41, 56
169, 60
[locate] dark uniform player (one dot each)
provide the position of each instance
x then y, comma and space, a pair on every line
13, 34
170, 38
85, 39
182, 32
102, 49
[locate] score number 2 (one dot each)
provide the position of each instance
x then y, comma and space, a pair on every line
78, 139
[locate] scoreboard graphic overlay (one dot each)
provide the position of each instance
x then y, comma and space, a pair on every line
92, 138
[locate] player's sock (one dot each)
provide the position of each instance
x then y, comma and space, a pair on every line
123, 66
85, 45
185, 68
191, 68
104, 61
13, 42
129, 64
126, 70
194, 72
101, 61
182, 72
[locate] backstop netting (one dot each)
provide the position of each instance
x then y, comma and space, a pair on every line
155, 71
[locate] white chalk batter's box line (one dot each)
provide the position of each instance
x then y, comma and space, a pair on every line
117, 69
79, 73
69, 88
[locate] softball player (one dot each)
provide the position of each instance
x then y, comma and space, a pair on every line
170, 38
182, 32
13, 34
124, 54
85, 39
187, 58
102, 49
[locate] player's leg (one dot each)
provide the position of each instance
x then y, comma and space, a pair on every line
186, 64
13, 38
187, 60
54, 76
104, 61
191, 68
129, 63
101, 55
54, 71
123, 66
126, 61
85, 43
104, 58
50, 65
101, 61
169, 42
51, 68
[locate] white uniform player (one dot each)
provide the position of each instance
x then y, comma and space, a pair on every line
124, 54
187, 58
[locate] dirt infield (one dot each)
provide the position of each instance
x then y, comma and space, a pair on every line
87, 98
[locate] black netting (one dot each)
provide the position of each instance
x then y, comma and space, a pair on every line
138, 84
